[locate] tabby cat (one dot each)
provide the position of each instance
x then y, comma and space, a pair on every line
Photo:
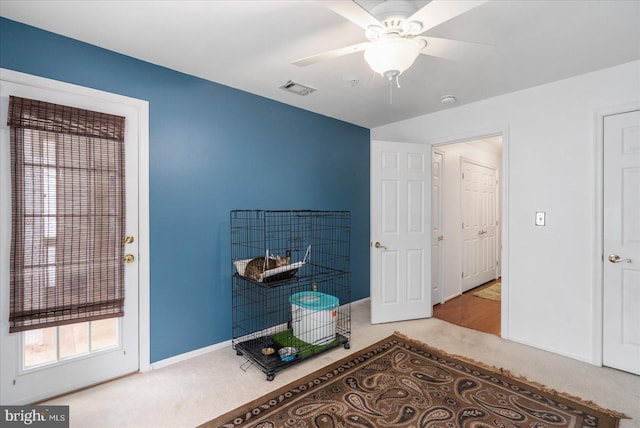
256, 266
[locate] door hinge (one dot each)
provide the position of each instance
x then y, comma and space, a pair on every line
463, 175
462, 275
463, 225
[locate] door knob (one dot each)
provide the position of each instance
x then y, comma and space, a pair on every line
129, 258
440, 238
614, 258
379, 245
128, 239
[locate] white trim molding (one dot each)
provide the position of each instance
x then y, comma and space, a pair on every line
142, 109
502, 131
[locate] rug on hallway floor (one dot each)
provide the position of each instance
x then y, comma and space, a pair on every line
400, 382
492, 292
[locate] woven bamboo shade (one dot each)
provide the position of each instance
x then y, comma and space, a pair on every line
68, 215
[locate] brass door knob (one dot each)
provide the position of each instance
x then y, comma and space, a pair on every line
129, 258
614, 258
379, 245
128, 239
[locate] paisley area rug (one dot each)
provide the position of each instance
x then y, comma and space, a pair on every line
399, 382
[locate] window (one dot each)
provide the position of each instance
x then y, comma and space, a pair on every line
55, 344
67, 242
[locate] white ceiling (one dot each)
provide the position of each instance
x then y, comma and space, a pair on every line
249, 45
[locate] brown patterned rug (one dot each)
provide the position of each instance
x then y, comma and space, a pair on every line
399, 382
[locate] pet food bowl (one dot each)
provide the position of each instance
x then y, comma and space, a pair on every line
287, 353
268, 351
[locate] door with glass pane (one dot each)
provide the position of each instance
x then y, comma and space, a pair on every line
44, 362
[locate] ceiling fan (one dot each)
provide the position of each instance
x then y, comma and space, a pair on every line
394, 32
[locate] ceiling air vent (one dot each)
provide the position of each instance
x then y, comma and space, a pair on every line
297, 88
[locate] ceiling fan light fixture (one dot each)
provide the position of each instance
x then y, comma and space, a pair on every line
390, 57
374, 32
413, 27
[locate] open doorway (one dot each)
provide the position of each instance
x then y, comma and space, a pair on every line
466, 238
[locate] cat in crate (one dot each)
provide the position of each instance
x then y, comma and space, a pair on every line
256, 266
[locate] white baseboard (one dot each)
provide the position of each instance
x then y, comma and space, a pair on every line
197, 352
187, 355
577, 357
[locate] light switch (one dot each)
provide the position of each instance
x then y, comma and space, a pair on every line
540, 218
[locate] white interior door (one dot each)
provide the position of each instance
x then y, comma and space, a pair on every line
479, 224
400, 232
437, 233
621, 314
21, 384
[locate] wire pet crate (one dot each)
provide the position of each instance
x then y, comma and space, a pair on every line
291, 289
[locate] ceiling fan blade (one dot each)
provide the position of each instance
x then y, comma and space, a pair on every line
439, 11
352, 11
330, 54
456, 50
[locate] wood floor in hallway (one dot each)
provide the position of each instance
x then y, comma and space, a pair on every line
471, 311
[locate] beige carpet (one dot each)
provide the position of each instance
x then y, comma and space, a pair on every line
192, 392
492, 292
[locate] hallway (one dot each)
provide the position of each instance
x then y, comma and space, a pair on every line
471, 311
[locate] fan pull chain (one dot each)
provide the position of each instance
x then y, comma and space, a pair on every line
397, 80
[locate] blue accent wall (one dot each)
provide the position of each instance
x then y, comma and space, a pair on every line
212, 149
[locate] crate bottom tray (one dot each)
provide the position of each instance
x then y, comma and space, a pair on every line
270, 364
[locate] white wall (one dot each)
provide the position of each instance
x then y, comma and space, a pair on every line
451, 206
551, 149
